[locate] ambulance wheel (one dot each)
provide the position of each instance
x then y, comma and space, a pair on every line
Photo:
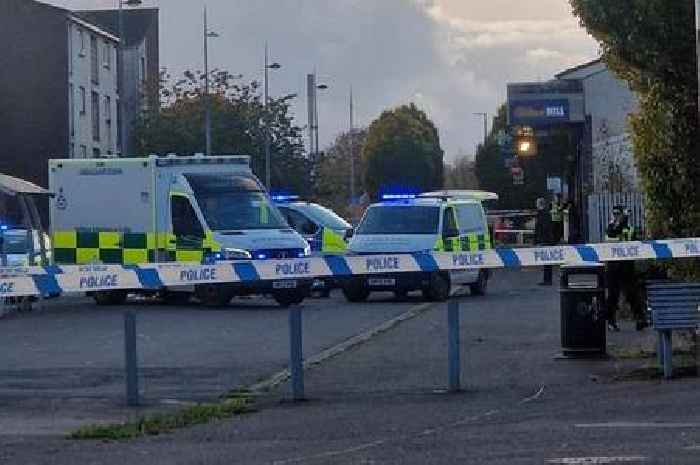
110, 297
325, 294
213, 295
438, 289
287, 298
355, 292
479, 287
401, 294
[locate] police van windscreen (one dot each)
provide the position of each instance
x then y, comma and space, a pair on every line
400, 220
325, 217
232, 202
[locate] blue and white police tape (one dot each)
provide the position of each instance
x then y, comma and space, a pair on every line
35, 281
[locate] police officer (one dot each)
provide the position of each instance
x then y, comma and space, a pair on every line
557, 212
621, 276
543, 236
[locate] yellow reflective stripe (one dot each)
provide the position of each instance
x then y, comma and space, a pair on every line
188, 255
210, 243
65, 239
110, 240
439, 245
332, 241
87, 255
473, 242
135, 256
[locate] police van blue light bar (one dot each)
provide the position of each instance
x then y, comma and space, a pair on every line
284, 197
398, 196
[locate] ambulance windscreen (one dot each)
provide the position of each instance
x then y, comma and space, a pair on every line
234, 203
400, 220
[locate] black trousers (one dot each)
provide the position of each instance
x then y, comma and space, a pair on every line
547, 275
622, 278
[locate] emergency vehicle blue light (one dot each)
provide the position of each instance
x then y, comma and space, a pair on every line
4, 227
398, 196
284, 197
261, 256
301, 255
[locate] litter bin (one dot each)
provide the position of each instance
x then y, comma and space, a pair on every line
583, 319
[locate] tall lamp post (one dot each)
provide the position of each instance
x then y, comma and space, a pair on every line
317, 88
207, 103
266, 117
486, 125
121, 87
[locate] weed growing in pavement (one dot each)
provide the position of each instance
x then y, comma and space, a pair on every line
235, 403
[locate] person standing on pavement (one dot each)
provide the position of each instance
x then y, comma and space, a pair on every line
621, 276
557, 211
543, 236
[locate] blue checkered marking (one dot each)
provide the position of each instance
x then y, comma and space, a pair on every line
149, 278
46, 284
337, 265
53, 269
661, 250
426, 262
587, 253
509, 257
246, 271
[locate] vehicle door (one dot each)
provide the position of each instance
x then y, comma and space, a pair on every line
186, 243
307, 227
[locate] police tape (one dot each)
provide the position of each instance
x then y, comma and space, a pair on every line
55, 280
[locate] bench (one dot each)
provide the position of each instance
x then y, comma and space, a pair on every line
673, 307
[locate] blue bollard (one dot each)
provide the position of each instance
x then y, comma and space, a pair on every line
131, 362
296, 362
453, 345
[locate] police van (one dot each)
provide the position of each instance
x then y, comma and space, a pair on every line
445, 221
185, 209
325, 231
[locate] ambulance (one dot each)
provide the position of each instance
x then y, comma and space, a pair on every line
184, 209
444, 221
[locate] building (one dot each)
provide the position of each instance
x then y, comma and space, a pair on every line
58, 88
141, 59
608, 103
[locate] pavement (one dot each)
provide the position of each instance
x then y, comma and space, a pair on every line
384, 402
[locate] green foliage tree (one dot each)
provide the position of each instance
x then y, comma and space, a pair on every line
333, 185
402, 150
237, 121
651, 44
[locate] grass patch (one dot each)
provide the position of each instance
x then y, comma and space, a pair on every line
235, 403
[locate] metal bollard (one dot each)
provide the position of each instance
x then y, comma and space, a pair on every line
296, 363
131, 362
453, 346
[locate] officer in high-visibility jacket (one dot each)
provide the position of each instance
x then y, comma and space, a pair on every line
621, 276
557, 211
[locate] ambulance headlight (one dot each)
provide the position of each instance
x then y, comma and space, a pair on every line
236, 254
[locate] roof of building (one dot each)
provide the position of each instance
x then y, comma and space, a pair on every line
137, 22
93, 28
576, 68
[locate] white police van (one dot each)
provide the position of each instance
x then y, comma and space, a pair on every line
445, 221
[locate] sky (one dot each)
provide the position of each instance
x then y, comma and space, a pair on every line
452, 58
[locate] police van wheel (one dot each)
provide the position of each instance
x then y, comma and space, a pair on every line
176, 298
438, 289
479, 287
401, 294
213, 295
355, 292
116, 297
285, 299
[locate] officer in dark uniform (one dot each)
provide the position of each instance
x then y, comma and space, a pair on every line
621, 276
543, 236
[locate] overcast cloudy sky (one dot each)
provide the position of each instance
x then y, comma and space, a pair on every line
451, 57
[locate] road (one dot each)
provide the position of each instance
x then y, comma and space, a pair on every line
384, 402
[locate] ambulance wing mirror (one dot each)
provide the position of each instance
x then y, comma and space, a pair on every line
349, 233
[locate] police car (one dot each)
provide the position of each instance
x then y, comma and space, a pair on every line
324, 230
446, 221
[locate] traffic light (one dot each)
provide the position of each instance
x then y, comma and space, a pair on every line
525, 142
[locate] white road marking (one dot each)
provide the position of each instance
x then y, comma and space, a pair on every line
596, 460
637, 424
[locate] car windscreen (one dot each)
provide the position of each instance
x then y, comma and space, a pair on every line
398, 219
324, 216
471, 218
234, 202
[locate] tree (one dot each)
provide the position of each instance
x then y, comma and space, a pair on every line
237, 122
402, 151
333, 186
651, 44
462, 174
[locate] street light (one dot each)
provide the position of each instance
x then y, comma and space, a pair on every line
121, 87
266, 128
207, 104
319, 87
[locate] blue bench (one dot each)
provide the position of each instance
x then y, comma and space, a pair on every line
673, 307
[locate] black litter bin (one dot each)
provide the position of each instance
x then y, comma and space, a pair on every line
583, 319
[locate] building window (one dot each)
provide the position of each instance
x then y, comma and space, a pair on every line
107, 55
82, 100
83, 151
81, 37
94, 61
95, 116
95, 153
108, 120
